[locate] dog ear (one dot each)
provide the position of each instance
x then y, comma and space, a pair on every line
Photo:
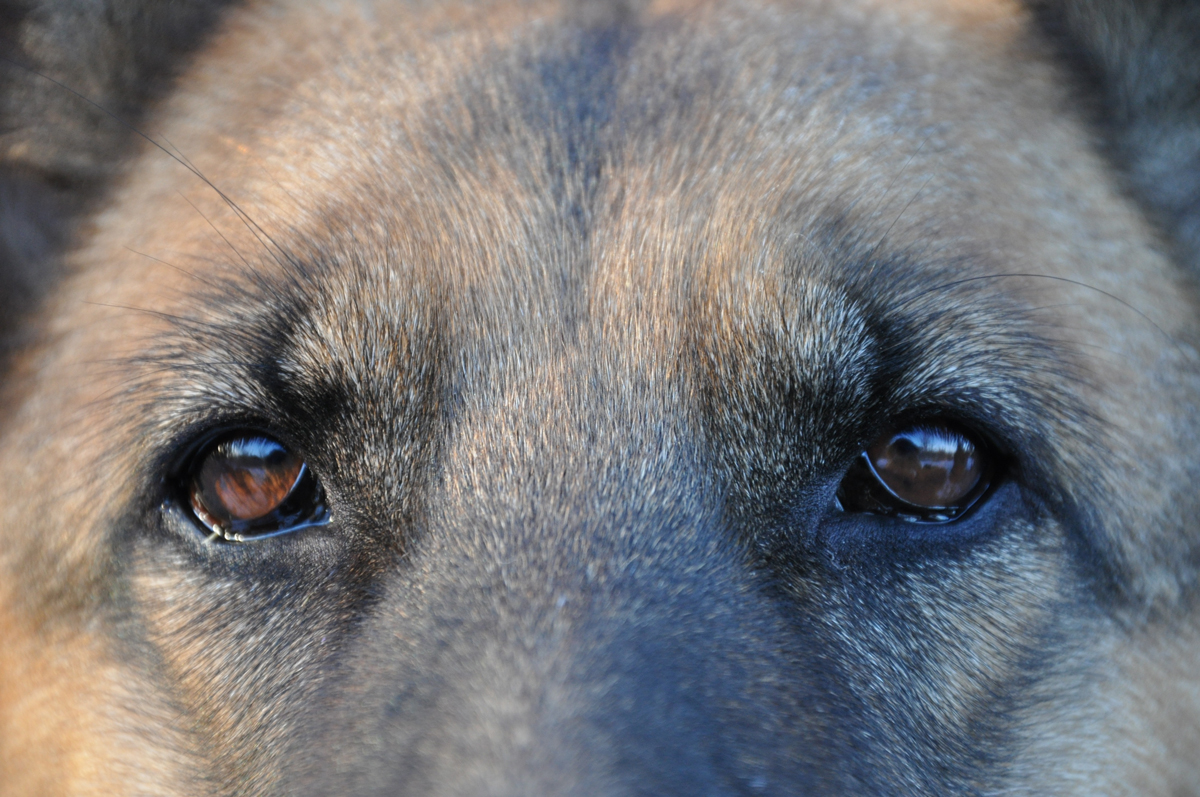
75, 79
1140, 59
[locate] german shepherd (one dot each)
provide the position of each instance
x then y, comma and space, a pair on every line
690, 397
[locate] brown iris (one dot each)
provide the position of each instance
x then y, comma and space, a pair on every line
926, 467
928, 472
248, 485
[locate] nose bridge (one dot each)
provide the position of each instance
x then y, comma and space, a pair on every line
602, 666
592, 435
579, 510
575, 618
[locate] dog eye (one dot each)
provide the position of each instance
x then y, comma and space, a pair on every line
246, 485
928, 473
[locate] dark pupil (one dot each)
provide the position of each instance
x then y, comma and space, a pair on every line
245, 478
927, 467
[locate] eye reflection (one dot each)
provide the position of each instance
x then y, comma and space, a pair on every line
931, 467
244, 479
248, 485
926, 473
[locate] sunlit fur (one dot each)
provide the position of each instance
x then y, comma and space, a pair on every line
579, 313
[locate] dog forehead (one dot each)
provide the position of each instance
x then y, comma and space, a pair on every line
526, 165
524, 157
520, 171
748, 103
712, 174
731, 172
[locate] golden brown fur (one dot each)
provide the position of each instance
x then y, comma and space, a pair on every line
575, 309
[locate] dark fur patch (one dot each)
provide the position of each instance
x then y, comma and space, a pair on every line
1138, 61
74, 82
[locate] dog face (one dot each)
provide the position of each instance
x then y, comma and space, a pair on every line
706, 399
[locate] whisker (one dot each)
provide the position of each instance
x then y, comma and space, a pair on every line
168, 264
275, 181
900, 173
178, 154
255, 229
883, 238
228, 243
1066, 280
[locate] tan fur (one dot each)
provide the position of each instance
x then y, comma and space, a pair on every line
306, 117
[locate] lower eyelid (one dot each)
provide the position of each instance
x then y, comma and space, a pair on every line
847, 536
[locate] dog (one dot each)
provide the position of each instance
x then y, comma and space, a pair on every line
691, 397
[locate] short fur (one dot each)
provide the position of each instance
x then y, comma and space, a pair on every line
580, 313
